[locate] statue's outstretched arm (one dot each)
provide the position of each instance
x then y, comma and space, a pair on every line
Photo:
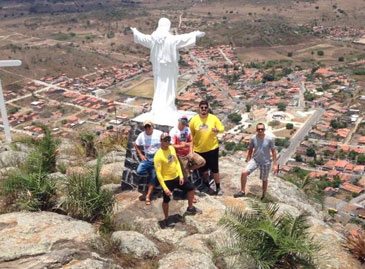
140, 38
188, 40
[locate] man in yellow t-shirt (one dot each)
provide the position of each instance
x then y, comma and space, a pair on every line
170, 176
204, 128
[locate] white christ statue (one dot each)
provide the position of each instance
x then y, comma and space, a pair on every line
164, 57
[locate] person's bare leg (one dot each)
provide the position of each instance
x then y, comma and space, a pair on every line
244, 175
264, 187
165, 208
216, 177
190, 195
149, 191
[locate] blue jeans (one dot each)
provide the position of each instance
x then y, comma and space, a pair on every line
147, 167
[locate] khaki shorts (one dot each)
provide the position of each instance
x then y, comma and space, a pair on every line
196, 160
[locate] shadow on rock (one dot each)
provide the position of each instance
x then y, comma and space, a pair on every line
171, 221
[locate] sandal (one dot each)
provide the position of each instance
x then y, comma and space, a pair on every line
148, 202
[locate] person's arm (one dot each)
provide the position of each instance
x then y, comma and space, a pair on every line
250, 150
139, 152
179, 170
158, 169
249, 154
218, 126
274, 155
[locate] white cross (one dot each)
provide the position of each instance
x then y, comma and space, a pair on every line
4, 114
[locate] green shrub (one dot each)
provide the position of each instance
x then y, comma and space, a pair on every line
85, 199
320, 53
236, 118
274, 123
33, 191
282, 106
289, 126
270, 240
230, 146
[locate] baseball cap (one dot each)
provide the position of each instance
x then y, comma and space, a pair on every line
147, 122
184, 119
165, 137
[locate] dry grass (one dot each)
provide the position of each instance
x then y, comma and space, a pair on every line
356, 245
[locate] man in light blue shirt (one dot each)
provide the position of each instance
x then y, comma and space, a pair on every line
261, 153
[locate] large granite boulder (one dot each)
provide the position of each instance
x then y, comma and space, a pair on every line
187, 260
46, 240
134, 243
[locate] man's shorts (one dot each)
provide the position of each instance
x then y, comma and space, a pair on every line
196, 160
252, 165
174, 184
211, 160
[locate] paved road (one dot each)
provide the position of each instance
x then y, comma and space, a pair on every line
225, 56
299, 136
353, 130
357, 199
301, 102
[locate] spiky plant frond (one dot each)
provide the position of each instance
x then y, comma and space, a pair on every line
271, 240
86, 199
30, 191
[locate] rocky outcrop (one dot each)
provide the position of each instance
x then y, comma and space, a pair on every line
49, 240
187, 260
279, 190
46, 240
134, 243
12, 158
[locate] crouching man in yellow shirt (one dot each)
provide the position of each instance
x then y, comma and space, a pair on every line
170, 176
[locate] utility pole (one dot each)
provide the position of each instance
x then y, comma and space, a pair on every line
4, 114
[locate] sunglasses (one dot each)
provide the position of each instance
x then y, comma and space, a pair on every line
203, 107
184, 121
260, 129
147, 126
167, 139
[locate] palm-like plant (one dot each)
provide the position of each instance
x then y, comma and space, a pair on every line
88, 143
269, 239
43, 157
356, 245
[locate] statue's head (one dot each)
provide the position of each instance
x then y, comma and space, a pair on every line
164, 25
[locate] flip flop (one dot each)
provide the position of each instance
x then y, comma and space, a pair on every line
148, 202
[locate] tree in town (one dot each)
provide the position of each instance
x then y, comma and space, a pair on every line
235, 117
310, 152
361, 159
298, 158
282, 106
289, 126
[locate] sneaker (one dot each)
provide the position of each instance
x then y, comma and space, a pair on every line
219, 192
164, 224
193, 211
239, 194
